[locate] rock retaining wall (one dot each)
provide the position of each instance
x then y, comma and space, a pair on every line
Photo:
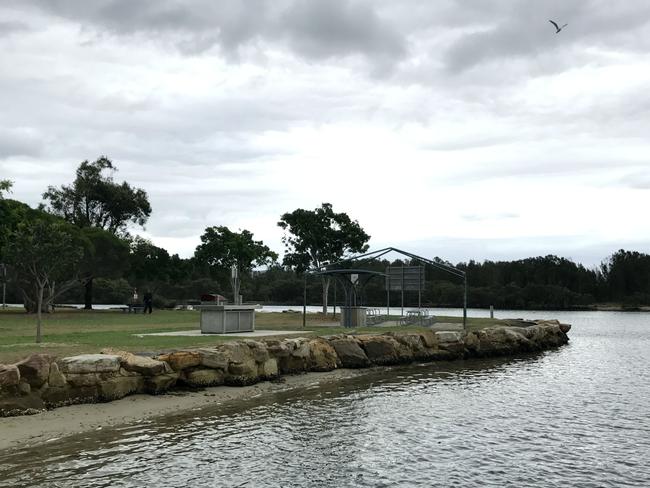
42, 381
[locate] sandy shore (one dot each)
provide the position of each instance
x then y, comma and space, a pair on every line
31, 430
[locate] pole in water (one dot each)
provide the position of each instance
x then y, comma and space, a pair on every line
491, 311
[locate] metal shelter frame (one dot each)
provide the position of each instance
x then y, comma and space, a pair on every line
376, 255
350, 287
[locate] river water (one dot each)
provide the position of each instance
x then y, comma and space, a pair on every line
578, 416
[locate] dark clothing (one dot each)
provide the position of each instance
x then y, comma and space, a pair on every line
148, 302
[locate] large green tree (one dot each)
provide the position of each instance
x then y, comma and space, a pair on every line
627, 276
314, 238
150, 264
95, 199
224, 250
105, 255
44, 256
12, 214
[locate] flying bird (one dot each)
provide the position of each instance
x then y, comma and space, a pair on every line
557, 27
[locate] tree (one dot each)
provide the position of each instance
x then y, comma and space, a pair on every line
12, 214
5, 186
44, 256
95, 200
148, 263
319, 237
105, 255
222, 248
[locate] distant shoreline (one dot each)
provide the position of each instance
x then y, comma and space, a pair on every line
113, 307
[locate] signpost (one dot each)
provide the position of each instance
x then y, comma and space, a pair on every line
234, 281
405, 278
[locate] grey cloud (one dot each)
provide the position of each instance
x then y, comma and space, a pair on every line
313, 30
19, 142
11, 27
338, 28
523, 31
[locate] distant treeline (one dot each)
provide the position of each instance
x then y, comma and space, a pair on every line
548, 282
76, 248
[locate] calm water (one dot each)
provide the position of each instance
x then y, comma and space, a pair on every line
575, 417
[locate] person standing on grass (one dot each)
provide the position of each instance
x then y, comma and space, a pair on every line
148, 302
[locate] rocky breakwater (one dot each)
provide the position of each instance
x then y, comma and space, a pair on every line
42, 381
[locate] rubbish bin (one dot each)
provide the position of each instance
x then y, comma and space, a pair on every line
353, 317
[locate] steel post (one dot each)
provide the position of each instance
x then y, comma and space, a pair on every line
304, 302
402, 290
465, 303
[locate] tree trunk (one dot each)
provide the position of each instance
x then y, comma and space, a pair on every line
30, 301
326, 289
39, 313
88, 294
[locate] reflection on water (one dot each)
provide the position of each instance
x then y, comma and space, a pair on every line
578, 416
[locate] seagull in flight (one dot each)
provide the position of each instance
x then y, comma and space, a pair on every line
557, 27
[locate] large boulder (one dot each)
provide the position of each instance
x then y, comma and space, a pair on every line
416, 345
429, 339
181, 360
214, 359
119, 387
495, 341
292, 355
138, 364
278, 348
550, 334
9, 375
237, 352
322, 356
155, 385
69, 395
85, 379
451, 341
380, 349
203, 377
241, 373
56, 379
90, 363
447, 336
349, 352
268, 369
258, 351
35, 369
472, 343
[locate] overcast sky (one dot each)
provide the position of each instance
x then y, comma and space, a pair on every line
460, 129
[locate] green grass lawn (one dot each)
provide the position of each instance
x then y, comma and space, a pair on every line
73, 332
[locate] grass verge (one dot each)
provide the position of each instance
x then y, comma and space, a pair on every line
73, 332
